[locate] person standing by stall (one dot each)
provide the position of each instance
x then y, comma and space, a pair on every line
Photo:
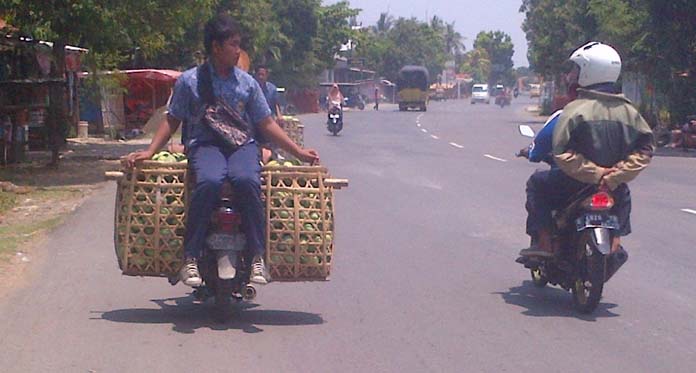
376, 98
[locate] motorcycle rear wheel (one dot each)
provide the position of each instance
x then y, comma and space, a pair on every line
223, 300
587, 290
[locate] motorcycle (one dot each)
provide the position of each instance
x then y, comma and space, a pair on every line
354, 101
502, 100
334, 120
225, 265
582, 236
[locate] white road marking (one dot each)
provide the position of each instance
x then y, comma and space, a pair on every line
456, 145
435, 137
424, 130
418, 124
494, 158
419, 117
689, 211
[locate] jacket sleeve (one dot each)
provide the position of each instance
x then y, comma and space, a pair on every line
570, 162
576, 166
638, 160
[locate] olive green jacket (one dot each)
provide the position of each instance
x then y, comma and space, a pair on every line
598, 131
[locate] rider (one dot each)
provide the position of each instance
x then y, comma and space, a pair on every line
209, 155
600, 139
335, 97
270, 91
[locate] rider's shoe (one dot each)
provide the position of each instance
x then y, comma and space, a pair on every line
259, 275
189, 273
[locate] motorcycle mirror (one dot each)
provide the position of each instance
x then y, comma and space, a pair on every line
526, 131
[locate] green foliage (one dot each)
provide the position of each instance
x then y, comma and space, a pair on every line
655, 38
394, 43
500, 50
477, 63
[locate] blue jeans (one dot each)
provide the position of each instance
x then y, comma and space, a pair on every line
212, 165
552, 189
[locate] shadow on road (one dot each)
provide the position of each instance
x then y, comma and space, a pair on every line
551, 301
187, 317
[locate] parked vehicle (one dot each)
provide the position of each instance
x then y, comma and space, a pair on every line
354, 100
479, 93
582, 234
412, 85
334, 121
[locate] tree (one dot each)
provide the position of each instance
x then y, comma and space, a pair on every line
500, 50
477, 63
108, 29
553, 29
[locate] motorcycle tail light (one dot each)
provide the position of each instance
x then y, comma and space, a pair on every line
228, 220
599, 201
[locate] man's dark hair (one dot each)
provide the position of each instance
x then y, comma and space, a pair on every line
259, 67
219, 29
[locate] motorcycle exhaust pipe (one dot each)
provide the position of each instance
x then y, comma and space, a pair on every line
615, 261
249, 292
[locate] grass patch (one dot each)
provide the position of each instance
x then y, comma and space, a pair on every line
7, 201
12, 237
36, 212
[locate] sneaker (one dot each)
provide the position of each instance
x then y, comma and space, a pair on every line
259, 274
188, 274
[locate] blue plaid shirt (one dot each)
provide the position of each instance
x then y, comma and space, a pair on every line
240, 90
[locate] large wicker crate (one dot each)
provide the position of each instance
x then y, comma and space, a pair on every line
295, 130
150, 217
151, 214
300, 223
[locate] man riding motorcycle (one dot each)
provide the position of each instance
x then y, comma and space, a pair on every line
600, 138
210, 157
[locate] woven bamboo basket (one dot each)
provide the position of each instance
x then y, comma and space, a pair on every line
300, 222
151, 215
150, 218
295, 130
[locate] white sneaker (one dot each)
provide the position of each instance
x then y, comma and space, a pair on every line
259, 275
188, 274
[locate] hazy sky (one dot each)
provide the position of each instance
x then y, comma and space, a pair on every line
470, 17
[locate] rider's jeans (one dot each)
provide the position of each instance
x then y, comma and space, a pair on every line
552, 189
211, 165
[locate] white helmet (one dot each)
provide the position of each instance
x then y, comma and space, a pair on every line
599, 63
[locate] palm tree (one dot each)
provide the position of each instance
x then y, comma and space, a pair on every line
384, 24
454, 41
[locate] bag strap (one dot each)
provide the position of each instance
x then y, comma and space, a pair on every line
205, 84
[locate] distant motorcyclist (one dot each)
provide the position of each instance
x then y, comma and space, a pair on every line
599, 139
335, 97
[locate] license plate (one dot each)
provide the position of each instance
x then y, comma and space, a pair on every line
220, 241
597, 221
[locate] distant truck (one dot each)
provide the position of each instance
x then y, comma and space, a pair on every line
412, 85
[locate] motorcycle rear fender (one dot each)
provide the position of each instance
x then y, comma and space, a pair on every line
601, 238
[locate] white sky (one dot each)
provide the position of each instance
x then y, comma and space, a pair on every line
470, 17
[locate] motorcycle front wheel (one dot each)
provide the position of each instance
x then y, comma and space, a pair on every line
587, 289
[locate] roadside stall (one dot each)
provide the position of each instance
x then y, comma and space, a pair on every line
25, 65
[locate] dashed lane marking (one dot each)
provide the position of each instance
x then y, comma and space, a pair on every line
689, 211
456, 145
424, 130
435, 137
494, 158
418, 124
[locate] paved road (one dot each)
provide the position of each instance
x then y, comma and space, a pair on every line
424, 276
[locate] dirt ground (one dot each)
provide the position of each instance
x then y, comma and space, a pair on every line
35, 198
